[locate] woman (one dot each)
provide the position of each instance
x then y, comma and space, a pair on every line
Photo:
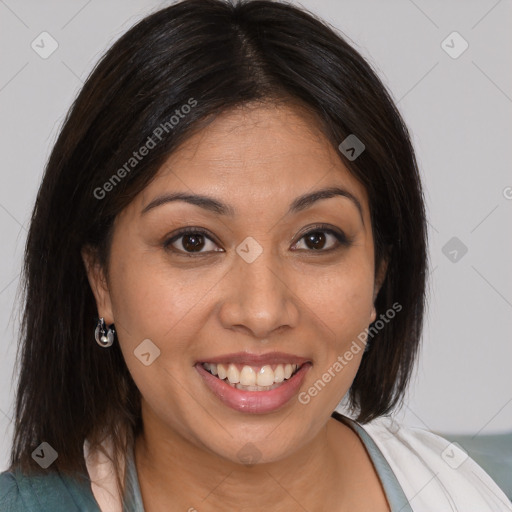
229, 238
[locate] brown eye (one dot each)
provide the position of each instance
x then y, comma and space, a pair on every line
318, 239
315, 240
193, 240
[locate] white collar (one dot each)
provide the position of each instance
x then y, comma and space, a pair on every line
102, 476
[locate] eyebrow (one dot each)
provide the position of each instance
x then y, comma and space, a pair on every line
220, 208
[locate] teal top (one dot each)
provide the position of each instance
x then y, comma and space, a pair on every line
55, 492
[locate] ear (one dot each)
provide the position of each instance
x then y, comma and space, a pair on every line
98, 282
379, 280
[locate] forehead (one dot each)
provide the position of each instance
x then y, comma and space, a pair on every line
255, 153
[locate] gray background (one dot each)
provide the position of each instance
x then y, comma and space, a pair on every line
459, 113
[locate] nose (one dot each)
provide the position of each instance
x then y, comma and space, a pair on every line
258, 299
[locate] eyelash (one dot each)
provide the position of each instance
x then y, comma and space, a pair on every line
342, 240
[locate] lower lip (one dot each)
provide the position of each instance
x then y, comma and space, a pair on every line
254, 401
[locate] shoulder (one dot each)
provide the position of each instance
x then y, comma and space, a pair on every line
431, 470
44, 492
10, 496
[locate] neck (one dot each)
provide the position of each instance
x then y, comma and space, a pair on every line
172, 469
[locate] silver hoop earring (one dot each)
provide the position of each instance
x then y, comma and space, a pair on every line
104, 336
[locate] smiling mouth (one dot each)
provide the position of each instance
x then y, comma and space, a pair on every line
252, 378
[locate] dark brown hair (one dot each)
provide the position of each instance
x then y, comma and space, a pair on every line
223, 55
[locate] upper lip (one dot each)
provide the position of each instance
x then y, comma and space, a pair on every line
256, 359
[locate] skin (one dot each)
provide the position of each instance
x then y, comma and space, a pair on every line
292, 298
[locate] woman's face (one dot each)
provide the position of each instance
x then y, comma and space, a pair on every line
245, 288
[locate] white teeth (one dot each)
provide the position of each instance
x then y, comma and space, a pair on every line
279, 373
265, 376
249, 378
255, 388
233, 374
221, 371
212, 368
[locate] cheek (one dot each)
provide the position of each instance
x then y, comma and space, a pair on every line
153, 302
341, 301
169, 306
342, 297
150, 298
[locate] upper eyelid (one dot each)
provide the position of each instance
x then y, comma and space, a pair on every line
315, 228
